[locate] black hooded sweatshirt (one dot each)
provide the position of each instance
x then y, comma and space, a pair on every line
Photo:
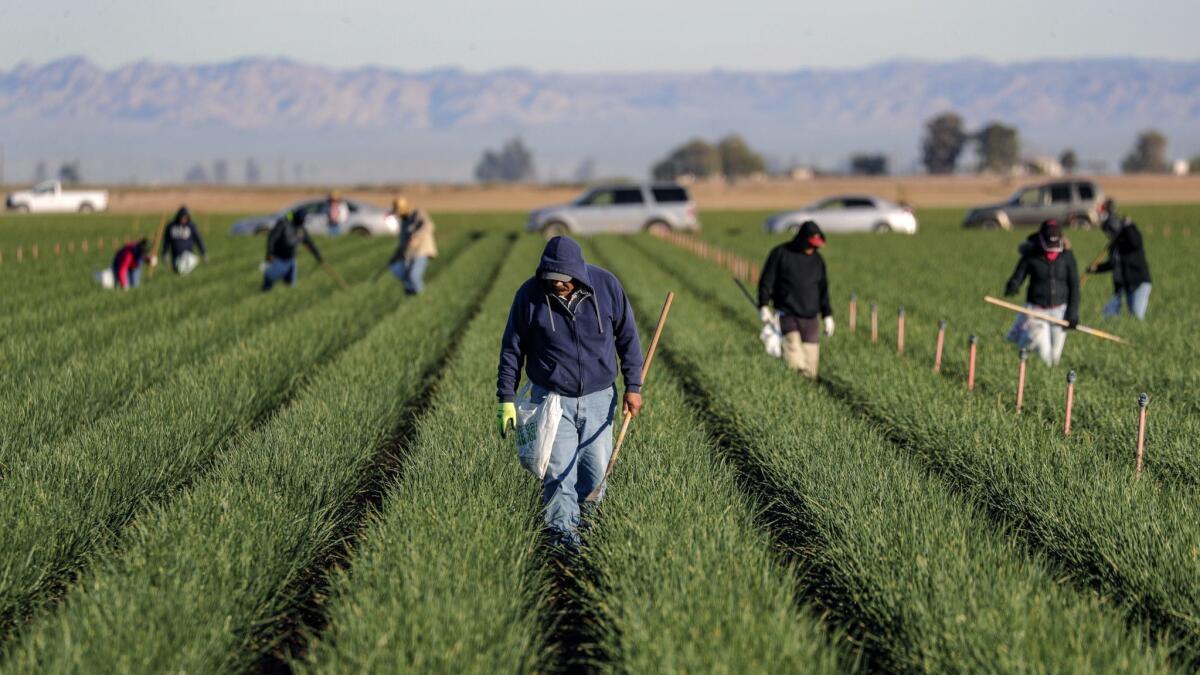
795, 281
1126, 257
1051, 282
181, 237
286, 235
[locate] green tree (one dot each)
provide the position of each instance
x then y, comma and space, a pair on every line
943, 143
1194, 165
1149, 154
511, 164
737, 159
1069, 160
997, 147
695, 158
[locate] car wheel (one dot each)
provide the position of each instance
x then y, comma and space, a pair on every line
554, 228
657, 227
881, 228
22, 208
990, 224
86, 208
793, 229
1078, 222
360, 231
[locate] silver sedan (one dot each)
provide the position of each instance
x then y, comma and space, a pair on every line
853, 213
365, 219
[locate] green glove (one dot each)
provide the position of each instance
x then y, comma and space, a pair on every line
506, 418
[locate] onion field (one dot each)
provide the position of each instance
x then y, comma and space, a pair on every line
198, 477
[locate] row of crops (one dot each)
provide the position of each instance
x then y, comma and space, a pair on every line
198, 477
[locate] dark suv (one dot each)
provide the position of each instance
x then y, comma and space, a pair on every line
1071, 202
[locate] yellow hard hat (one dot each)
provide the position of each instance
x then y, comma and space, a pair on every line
335, 194
400, 205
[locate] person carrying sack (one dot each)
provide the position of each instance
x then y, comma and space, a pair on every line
795, 282
1127, 262
1049, 264
417, 245
287, 234
567, 327
181, 238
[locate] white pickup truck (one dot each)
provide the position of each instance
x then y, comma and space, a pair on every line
50, 197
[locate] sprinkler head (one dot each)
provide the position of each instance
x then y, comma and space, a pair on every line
1024, 353
872, 305
974, 339
942, 324
1143, 400
1071, 377
854, 296
900, 312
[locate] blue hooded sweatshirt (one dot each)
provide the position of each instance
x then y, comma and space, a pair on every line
572, 353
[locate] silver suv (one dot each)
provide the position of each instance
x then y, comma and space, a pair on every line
1073, 203
619, 208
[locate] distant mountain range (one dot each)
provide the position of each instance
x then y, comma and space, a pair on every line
150, 121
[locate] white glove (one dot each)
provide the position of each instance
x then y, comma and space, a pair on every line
766, 314
828, 326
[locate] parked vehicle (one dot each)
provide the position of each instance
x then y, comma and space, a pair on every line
50, 197
847, 213
1071, 202
619, 208
365, 219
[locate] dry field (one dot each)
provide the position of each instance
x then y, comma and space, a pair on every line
921, 191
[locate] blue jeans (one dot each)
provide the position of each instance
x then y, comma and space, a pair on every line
1137, 300
135, 277
578, 460
412, 273
279, 269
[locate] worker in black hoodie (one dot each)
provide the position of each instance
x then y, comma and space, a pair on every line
1049, 264
287, 234
181, 239
794, 281
1127, 262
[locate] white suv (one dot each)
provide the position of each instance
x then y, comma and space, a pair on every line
619, 208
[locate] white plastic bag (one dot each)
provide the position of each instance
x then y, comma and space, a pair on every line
105, 278
186, 261
772, 337
537, 425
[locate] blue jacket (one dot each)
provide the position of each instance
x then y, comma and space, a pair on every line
572, 353
180, 236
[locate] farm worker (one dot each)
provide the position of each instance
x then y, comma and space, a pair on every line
1049, 264
181, 238
416, 247
127, 264
287, 234
1127, 262
568, 325
794, 280
338, 212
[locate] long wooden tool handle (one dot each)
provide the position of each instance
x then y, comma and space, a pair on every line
662, 321
1054, 320
336, 277
1087, 274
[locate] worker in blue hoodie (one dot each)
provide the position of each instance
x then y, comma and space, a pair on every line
182, 239
568, 326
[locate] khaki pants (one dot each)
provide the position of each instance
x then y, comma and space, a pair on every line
801, 356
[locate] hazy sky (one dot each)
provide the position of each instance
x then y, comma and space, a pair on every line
615, 35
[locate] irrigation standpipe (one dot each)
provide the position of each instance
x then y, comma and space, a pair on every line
662, 321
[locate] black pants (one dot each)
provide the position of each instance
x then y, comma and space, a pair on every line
809, 328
